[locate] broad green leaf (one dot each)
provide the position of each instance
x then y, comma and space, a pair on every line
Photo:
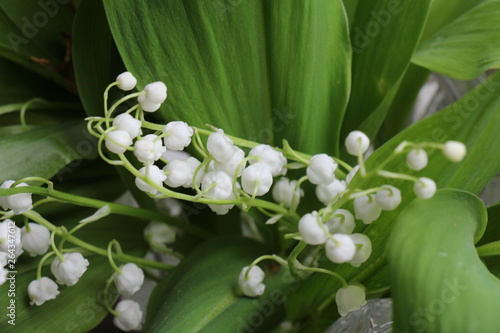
474, 120
350, 8
466, 47
491, 235
44, 151
444, 287
201, 294
211, 55
380, 25
309, 56
95, 57
37, 36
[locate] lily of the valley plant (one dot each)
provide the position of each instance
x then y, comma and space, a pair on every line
186, 166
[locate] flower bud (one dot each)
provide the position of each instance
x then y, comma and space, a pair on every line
363, 249
220, 146
156, 92
252, 286
147, 105
327, 192
37, 240
388, 198
125, 122
357, 142
257, 178
350, 298
130, 280
179, 135
118, 141
40, 291
321, 169
10, 238
424, 188
70, 270
284, 192
129, 316
312, 230
230, 167
417, 159
340, 248
159, 233
126, 81
366, 208
454, 151
219, 185
269, 157
155, 175
343, 224
149, 149
179, 173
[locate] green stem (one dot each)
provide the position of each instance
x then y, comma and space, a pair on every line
119, 251
40, 264
106, 291
274, 257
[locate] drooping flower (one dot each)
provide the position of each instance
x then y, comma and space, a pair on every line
321, 169
417, 159
357, 142
20, 203
311, 229
343, 224
340, 248
179, 173
424, 188
217, 185
284, 192
327, 192
118, 141
125, 122
257, 178
130, 280
269, 157
155, 175
129, 316
37, 240
455, 151
350, 298
149, 149
230, 167
126, 81
388, 198
252, 286
220, 146
10, 234
363, 249
155, 95
42, 290
366, 208
70, 270
178, 135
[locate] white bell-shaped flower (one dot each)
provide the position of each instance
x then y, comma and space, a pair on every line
252, 286
327, 192
222, 209
154, 175
170, 155
70, 270
230, 167
417, 159
10, 238
350, 298
363, 249
388, 198
37, 240
147, 105
20, 203
179, 173
194, 164
118, 141
351, 174
424, 188
455, 151
178, 135
125, 122
219, 185
156, 92
312, 229
269, 157
220, 146
366, 208
126, 81
130, 280
257, 178
321, 169
343, 224
340, 248
357, 142
129, 316
159, 233
284, 192
4, 258
149, 149
41, 291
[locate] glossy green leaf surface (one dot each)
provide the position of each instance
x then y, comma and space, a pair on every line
466, 47
473, 120
444, 287
43, 151
202, 295
380, 25
309, 56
